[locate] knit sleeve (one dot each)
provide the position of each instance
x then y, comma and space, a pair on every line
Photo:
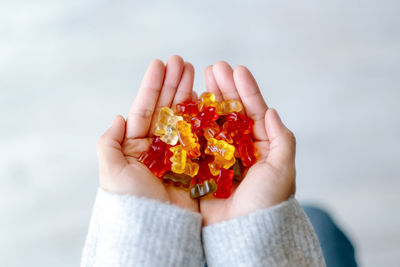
129, 231
278, 236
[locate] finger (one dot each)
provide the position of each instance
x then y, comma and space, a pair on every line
109, 145
184, 91
223, 74
173, 74
195, 97
252, 100
211, 83
142, 109
282, 141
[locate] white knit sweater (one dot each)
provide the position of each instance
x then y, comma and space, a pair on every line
130, 231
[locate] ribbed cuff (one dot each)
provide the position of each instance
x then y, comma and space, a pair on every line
278, 236
130, 231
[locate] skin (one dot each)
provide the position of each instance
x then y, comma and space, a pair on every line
268, 182
271, 180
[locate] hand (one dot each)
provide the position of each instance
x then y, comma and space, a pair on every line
272, 179
124, 141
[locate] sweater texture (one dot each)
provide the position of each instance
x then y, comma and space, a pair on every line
129, 231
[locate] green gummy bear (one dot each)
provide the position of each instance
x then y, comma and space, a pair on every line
237, 172
179, 178
200, 190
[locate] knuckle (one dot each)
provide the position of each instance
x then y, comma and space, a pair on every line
257, 116
144, 113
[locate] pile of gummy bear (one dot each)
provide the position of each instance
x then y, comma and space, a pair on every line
203, 146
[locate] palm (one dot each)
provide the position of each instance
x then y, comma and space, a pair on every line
122, 144
264, 184
140, 179
255, 191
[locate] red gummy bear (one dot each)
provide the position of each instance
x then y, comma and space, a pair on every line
157, 157
187, 108
224, 182
203, 119
204, 173
238, 125
246, 150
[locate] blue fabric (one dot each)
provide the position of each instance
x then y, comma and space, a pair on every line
336, 246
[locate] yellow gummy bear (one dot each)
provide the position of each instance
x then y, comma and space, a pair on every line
228, 106
220, 148
180, 162
219, 163
191, 168
222, 108
206, 100
178, 159
188, 139
166, 126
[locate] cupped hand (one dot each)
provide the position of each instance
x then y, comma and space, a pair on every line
121, 145
271, 179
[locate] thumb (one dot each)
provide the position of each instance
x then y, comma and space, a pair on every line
109, 144
282, 141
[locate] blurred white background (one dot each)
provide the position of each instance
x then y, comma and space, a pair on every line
332, 69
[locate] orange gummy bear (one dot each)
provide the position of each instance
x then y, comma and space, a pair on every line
211, 131
188, 139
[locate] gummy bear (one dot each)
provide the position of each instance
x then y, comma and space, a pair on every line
247, 150
157, 157
238, 125
178, 159
211, 131
166, 126
219, 163
200, 190
214, 131
224, 135
187, 109
188, 139
204, 170
191, 168
223, 155
228, 106
222, 108
178, 178
205, 146
206, 100
203, 119
180, 162
224, 182
219, 148
237, 172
